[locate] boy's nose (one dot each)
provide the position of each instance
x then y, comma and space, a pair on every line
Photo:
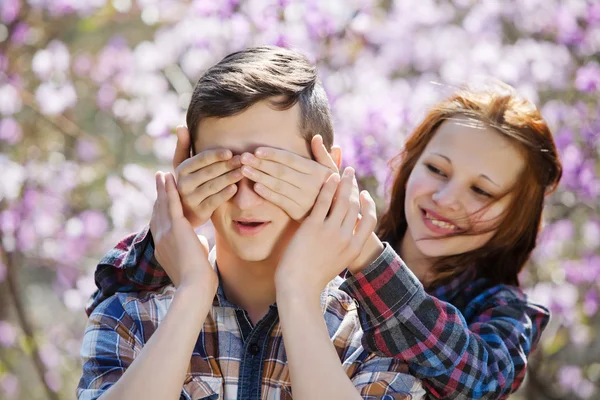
246, 198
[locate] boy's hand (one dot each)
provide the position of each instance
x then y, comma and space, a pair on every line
204, 181
329, 239
288, 180
177, 248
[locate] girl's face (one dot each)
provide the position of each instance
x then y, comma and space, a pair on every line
457, 186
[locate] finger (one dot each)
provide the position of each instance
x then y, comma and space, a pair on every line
321, 154
173, 201
211, 203
288, 205
201, 160
160, 185
182, 149
275, 169
277, 185
368, 219
213, 187
206, 176
351, 217
287, 158
323, 203
190, 183
161, 200
342, 197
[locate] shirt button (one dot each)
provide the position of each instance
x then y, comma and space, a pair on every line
254, 349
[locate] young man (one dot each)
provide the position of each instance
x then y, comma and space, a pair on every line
232, 313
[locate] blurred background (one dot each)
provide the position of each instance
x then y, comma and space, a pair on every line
91, 91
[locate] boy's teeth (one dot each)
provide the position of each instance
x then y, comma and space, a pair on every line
441, 224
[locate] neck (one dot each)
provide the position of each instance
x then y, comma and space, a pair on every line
416, 261
248, 284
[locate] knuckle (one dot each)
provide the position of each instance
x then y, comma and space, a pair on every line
184, 185
279, 171
346, 238
180, 170
210, 204
211, 186
233, 176
266, 193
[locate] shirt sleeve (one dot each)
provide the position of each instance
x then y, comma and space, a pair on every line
386, 378
129, 266
484, 359
108, 349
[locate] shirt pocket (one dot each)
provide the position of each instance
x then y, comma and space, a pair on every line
203, 388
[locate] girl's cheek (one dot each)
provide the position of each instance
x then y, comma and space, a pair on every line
488, 218
419, 183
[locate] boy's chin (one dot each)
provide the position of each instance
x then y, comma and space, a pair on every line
255, 253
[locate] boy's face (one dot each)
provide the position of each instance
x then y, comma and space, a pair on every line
248, 226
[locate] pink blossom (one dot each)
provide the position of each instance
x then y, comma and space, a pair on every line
8, 334
9, 385
55, 99
9, 10
10, 131
588, 78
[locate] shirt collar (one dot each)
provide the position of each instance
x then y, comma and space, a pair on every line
221, 301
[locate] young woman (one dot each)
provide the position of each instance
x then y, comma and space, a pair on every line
464, 216
465, 210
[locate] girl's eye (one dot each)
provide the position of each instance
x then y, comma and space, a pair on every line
435, 170
481, 192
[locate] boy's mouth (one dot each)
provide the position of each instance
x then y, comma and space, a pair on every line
249, 227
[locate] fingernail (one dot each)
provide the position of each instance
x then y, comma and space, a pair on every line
260, 153
247, 170
236, 161
246, 157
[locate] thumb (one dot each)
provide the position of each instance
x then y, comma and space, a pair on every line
321, 154
183, 147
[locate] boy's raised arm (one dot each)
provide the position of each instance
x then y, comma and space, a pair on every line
115, 367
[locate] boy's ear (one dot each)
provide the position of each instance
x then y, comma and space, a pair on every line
336, 155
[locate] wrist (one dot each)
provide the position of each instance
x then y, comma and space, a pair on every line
371, 250
198, 285
295, 289
195, 300
297, 298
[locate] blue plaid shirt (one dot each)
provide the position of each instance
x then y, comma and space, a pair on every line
233, 359
467, 339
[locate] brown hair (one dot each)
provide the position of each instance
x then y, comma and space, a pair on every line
246, 77
500, 107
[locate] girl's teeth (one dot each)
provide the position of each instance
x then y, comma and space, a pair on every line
441, 224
